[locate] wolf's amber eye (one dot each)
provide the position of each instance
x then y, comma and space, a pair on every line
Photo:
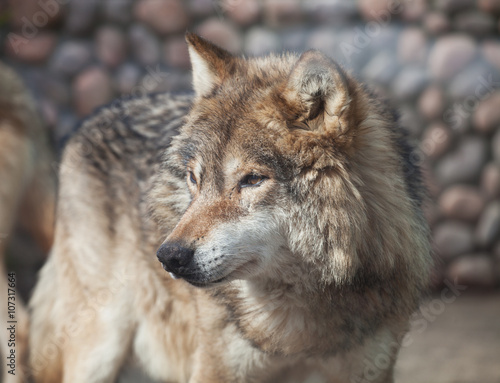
251, 180
192, 178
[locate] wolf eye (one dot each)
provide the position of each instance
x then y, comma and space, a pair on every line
192, 178
251, 180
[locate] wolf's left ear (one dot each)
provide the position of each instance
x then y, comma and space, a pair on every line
317, 89
211, 64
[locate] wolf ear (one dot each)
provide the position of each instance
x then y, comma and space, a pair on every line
317, 89
211, 64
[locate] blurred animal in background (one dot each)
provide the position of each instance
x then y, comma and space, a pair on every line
281, 199
27, 198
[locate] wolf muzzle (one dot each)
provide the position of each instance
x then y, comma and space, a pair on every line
175, 258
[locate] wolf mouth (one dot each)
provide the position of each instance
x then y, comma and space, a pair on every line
198, 283
204, 284
195, 282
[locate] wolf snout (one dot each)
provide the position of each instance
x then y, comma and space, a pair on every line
175, 258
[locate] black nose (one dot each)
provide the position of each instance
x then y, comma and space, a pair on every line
174, 257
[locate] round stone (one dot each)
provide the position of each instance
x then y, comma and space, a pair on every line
436, 140
164, 17
461, 202
488, 227
487, 115
450, 55
111, 46
222, 34
473, 270
452, 239
431, 102
91, 89
490, 181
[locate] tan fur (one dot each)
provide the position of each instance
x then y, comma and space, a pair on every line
27, 194
285, 200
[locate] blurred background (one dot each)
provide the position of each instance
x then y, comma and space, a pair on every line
437, 61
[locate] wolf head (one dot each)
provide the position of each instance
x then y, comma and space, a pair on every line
293, 170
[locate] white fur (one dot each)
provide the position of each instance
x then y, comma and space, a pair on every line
203, 77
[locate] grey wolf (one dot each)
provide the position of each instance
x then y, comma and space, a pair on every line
282, 201
27, 196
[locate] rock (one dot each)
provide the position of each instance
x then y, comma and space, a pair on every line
111, 46
333, 42
66, 125
489, 6
436, 140
414, 10
451, 6
70, 57
431, 102
458, 116
118, 11
450, 55
473, 270
380, 10
410, 120
48, 111
222, 34
260, 41
242, 12
490, 181
487, 114
475, 23
436, 23
461, 202
431, 213
496, 261
177, 81
452, 239
331, 11
204, 8
279, 13
35, 50
384, 39
175, 53
154, 80
91, 89
465, 163
294, 40
495, 146
412, 46
81, 16
33, 14
145, 46
53, 88
164, 17
382, 68
127, 77
409, 82
466, 86
429, 180
491, 52
488, 226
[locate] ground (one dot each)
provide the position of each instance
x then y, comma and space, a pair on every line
461, 345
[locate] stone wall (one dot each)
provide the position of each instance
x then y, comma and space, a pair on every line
437, 61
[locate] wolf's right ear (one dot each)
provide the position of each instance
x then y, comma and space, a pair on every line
318, 92
211, 64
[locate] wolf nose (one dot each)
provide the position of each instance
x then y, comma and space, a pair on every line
174, 257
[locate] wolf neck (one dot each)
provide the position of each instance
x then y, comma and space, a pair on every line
289, 320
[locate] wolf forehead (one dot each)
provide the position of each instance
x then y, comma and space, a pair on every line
241, 117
